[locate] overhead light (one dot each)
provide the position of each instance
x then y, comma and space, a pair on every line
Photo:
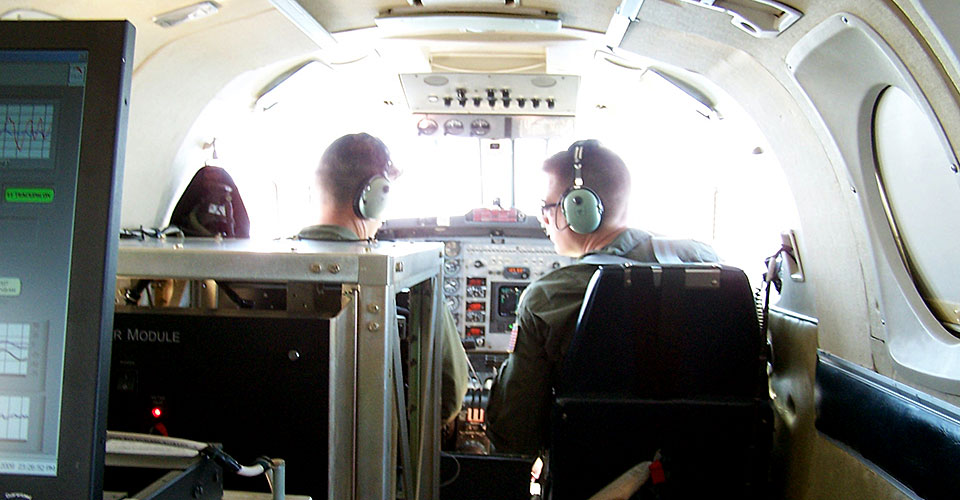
28, 15
544, 82
292, 84
703, 103
406, 22
306, 22
763, 19
188, 13
436, 80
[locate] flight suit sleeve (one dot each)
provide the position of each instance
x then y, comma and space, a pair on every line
520, 398
453, 377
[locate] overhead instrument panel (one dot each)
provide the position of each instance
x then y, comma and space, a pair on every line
491, 93
494, 126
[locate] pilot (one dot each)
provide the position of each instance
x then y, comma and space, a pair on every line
584, 212
353, 180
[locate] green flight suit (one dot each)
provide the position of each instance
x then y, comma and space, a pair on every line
519, 408
453, 376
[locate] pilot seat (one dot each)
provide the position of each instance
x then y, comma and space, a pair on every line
668, 361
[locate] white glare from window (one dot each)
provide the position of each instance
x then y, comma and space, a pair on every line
711, 179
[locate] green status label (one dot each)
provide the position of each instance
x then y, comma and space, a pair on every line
28, 195
9, 287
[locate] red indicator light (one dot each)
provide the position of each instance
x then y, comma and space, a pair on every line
476, 281
474, 331
156, 412
476, 306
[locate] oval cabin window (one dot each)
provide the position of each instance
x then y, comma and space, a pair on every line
921, 193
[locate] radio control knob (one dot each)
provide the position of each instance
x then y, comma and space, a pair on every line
451, 266
453, 303
478, 263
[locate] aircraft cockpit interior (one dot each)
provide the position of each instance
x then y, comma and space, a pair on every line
479, 249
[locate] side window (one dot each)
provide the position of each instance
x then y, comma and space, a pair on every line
921, 192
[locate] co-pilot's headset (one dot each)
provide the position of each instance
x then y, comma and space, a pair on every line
371, 199
581, 205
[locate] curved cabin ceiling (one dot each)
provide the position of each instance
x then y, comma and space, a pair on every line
150, 37
178, 70
336, 16
345, 15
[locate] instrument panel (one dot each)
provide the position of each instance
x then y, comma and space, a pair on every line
483, 281
490, 257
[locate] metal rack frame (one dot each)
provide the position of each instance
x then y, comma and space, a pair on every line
363, 430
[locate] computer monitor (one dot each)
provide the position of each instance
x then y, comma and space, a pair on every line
64, 94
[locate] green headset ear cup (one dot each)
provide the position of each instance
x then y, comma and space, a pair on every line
372, 200
583, 210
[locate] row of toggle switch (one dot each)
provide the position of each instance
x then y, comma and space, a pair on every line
492, 99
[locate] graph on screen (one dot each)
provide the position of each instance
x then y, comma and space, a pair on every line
14, 348
14, 418
27, 131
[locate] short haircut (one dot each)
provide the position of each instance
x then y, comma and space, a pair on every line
349, 162
602, 171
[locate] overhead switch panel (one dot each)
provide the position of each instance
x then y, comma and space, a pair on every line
485, 93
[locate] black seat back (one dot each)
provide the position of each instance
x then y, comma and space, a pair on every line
669, 358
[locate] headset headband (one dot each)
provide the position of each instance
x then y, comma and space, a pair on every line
577, 166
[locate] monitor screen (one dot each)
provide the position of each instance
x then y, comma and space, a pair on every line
41, 111
64, 90
508, 297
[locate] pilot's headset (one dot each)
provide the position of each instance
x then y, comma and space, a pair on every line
581, 205
371, 199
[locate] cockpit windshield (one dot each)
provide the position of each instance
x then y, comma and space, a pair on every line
701, 171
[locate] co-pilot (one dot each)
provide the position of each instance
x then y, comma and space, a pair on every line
353, 181
584, 212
